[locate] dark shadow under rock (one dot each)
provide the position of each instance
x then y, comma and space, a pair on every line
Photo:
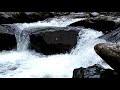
95, 71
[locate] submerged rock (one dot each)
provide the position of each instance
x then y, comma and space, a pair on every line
110, 53
7, 38
95, 71
53, 41
104, 24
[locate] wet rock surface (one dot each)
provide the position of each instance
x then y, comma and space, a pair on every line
95, 71
110, 53
7, 28
104, 24
7, 37
53, 42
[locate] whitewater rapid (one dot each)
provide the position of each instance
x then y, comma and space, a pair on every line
29, 64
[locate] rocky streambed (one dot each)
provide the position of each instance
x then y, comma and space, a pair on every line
84, 39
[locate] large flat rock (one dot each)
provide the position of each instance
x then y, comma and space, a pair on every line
54, 41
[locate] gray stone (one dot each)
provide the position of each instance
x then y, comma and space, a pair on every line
95, 71
54, 40
110, 53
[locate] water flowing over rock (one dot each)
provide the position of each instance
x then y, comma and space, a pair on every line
46, 40
23, 40
7, 37
110, 53
24, 34
29, 64
73, 46
104, 24
95, 71
113, 36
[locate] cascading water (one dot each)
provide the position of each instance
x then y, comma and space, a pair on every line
22, 39
29, 64
85, 47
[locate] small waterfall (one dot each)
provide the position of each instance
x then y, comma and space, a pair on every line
86, 39
23, 39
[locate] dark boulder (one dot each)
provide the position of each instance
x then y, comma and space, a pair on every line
100, 24
110, 53
53, 41
7, 37
95, 71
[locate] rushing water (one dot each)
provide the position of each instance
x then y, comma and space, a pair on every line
29, 64
22, 39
